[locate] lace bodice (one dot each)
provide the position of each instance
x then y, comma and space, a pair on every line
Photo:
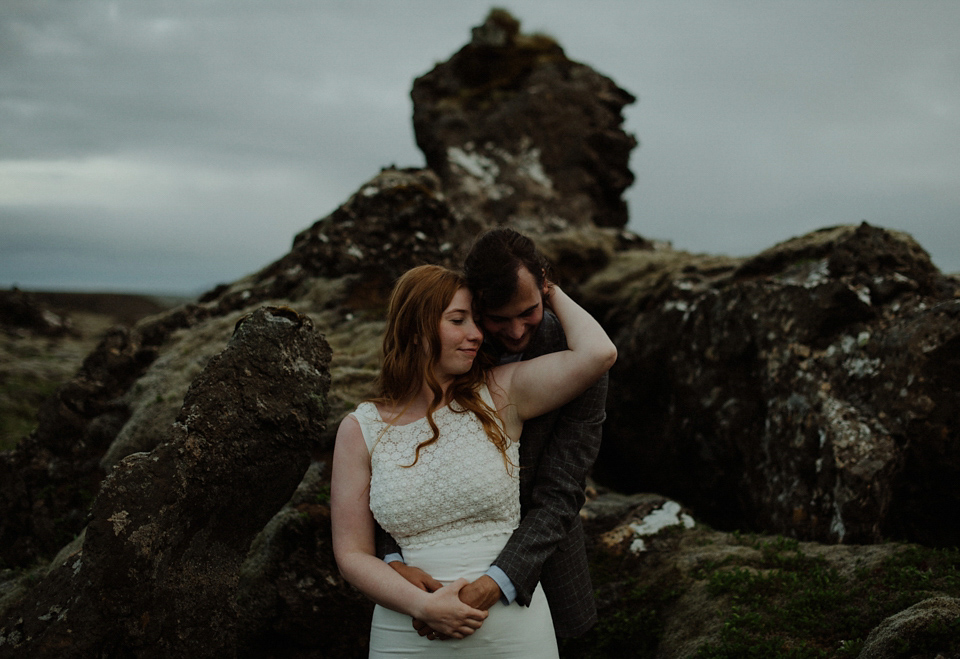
459, 489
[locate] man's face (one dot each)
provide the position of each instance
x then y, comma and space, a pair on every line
514, 324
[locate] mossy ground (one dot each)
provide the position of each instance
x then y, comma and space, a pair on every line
776, 602
797, 606
31, 369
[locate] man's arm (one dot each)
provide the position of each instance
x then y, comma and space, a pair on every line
389, 551
557, 493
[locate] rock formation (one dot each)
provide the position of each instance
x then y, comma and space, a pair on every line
22, 312
520, 134
809, 391
156, 574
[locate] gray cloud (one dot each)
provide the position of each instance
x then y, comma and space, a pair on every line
193, 140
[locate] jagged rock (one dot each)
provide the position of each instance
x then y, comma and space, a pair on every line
49, 479
130, 388
397, 220
811, 391
928, 627
22, 312
291, 594
158, 570
519, 133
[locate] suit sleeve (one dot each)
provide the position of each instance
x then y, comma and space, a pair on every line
386, 545
557, 493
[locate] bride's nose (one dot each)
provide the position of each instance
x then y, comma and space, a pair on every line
475, 333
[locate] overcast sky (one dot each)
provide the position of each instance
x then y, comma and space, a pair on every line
170, 145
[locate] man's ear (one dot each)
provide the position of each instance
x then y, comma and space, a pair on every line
546, 282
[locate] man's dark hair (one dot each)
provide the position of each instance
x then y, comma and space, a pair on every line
493, 262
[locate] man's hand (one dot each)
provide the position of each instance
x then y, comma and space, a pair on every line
481, 594
416, 576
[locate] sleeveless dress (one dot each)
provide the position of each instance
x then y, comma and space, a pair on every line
451, 513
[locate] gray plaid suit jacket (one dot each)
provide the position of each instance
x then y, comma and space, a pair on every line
556, 452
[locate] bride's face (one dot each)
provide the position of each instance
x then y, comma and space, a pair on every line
460, 336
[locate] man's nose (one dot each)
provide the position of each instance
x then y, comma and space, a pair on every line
516, 329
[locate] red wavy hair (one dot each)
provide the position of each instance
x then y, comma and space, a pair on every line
418, 301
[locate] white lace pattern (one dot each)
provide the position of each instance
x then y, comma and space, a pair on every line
459, 489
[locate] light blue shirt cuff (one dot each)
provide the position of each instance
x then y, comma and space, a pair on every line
390, 558
507, 589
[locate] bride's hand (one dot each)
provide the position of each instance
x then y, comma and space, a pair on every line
443, 612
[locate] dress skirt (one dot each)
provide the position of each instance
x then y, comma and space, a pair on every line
509, 631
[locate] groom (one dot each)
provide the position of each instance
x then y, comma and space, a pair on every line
507, 276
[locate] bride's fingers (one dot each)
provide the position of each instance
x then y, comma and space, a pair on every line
478, 616
473, 623
458, 584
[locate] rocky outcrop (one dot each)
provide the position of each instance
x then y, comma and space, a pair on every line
520, 134
671, 588
49, 480
157, 572
811, 390
21, 312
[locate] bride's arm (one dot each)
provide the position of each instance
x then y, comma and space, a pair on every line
353, 546
539, 385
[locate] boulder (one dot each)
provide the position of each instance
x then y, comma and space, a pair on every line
930, 628
157, 572
811, 390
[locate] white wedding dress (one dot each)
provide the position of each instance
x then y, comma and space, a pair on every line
451, 513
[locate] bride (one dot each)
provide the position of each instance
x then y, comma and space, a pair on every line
434, 460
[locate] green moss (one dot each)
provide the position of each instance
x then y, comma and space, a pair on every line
791, 605
323, 494
20, 399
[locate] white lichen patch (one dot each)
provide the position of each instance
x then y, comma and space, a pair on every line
679, 305
863, 293
666, 515
528, 163
51, 612
121, 520
861, 367
857, 447
301, 365
817, 275
475, 164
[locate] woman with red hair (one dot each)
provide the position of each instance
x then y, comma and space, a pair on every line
433, 459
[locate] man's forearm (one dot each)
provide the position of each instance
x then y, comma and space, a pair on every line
481, 594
